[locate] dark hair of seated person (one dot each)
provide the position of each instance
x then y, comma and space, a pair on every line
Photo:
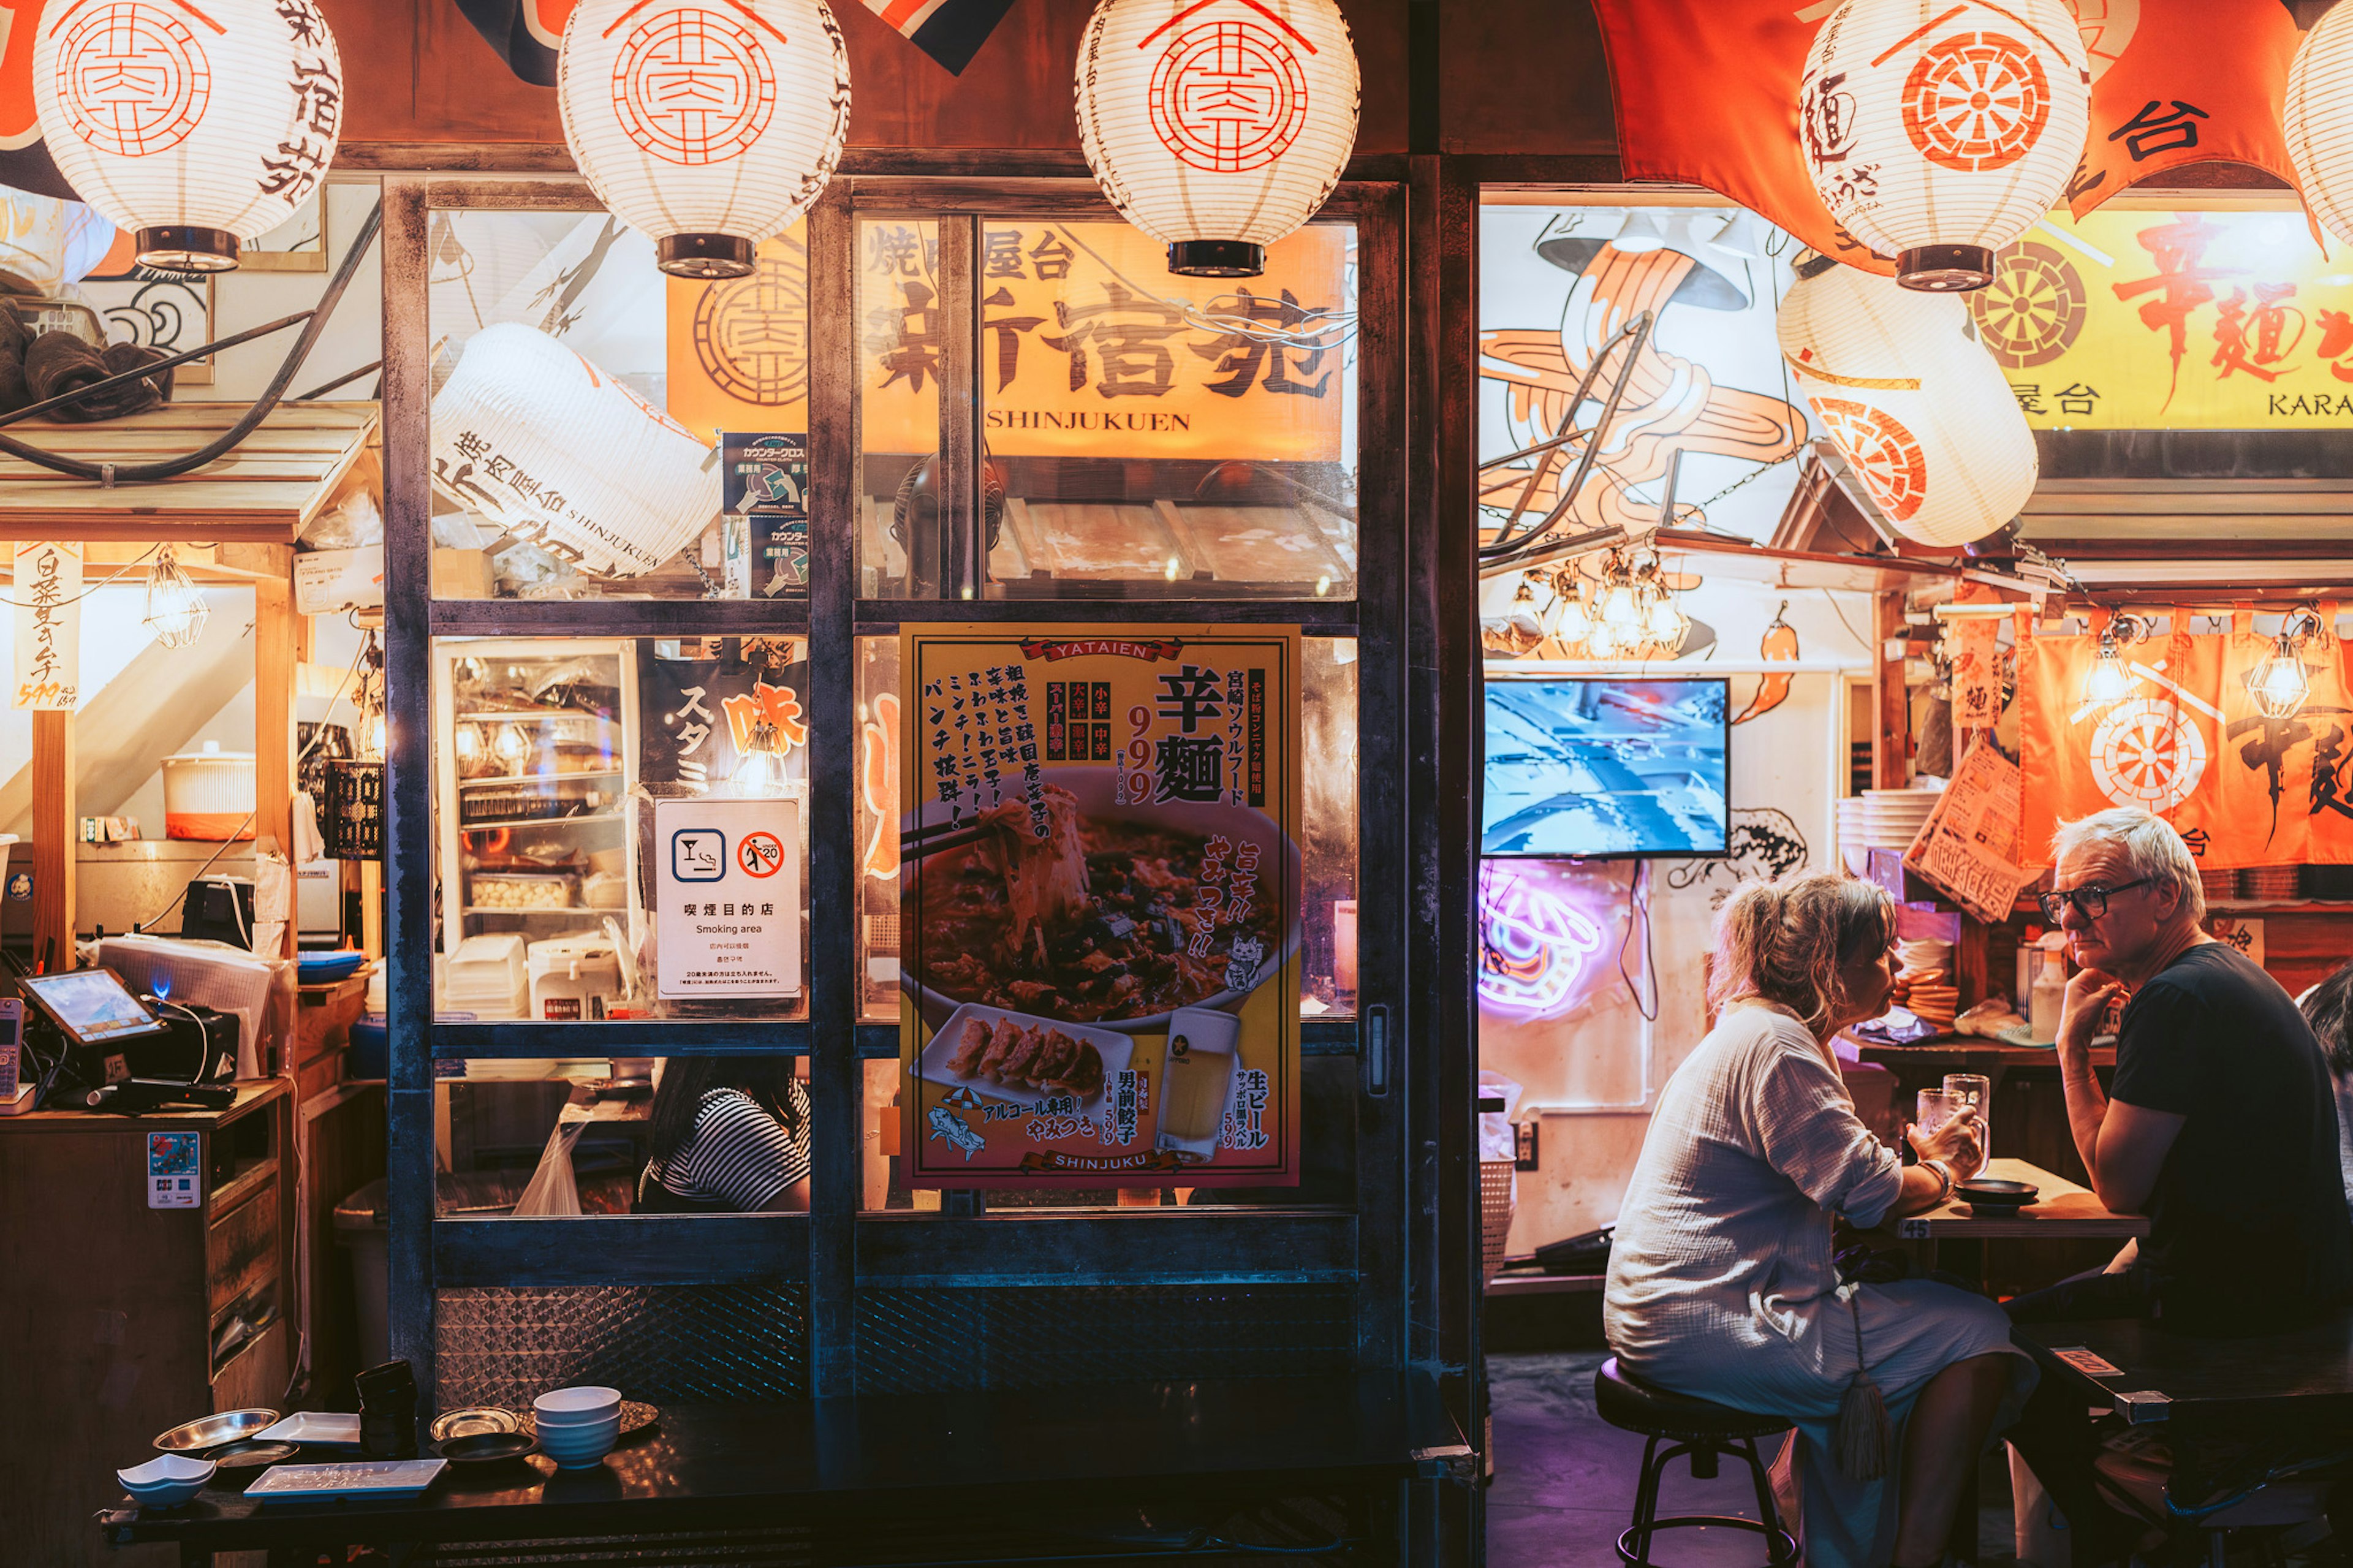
678, 1107
2329, 1010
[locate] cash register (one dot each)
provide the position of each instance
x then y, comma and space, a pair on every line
96, 1045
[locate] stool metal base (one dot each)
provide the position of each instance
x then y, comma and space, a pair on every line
1634, 1545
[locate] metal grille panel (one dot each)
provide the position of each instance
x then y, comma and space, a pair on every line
910, 1341
655, 1342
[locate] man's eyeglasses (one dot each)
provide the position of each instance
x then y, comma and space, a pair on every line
2092, 899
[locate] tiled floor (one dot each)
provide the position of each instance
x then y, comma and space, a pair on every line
1565, 1480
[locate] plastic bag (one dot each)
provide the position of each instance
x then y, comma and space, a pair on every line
350, 523
1497, 1138
553, 1190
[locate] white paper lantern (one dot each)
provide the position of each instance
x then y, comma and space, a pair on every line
198, 127
1913, 403
554, 449
1218, 128
2317, 121
706, 127
1939, 131
47, 244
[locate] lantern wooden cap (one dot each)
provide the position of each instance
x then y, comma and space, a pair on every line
1217, 258
179, 247
704, 256
1945, 268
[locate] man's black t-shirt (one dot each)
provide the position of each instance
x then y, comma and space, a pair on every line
2248, 1228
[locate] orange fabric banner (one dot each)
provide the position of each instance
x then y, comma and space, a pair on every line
1708, 94
2189, 743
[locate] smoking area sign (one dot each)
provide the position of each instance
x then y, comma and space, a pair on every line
728, 898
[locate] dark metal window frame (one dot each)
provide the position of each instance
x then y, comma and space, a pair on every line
835, 1251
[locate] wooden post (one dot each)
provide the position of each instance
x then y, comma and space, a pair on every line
1891, 744
274, 651
55, 837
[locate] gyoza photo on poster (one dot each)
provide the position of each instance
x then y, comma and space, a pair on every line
1100, 907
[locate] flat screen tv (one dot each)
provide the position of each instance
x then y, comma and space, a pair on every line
1594, 767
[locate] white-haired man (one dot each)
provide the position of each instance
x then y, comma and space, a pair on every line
2220, 1122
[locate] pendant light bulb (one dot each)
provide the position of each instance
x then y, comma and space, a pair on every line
1665, 623
2279, 684
176, 611
1621, 606
1574, 622
2107, 681
760, 771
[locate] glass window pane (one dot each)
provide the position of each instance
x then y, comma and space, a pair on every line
557, 863
628, 1136
579, 399
899, 403
1328, 810
1142, 434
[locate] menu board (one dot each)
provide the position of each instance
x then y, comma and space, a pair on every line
1100, 907
1969, 846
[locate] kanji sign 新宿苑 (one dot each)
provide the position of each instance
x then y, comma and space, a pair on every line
47, 595
2189, 744
1085, 351
2140, 319
1101, 954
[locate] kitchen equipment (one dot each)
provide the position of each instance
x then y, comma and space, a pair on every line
573, 977
166, 1480
208, 794
240, 1464
362, 1478
212, 1431
486, 977
1992, 1196
485, 1447
474, 1421
218, 909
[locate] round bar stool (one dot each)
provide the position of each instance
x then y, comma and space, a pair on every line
1705, 1432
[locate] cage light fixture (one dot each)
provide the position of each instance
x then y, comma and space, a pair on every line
2108, 679
2280, 684
176, 611
761, 769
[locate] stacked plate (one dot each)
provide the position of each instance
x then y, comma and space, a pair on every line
1881, 819
1934, 1002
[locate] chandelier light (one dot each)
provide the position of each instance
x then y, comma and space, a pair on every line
198, 129
2280, 684
176, 611
706, 127
1913, 403
2316, 119
1936, 132
1217, 128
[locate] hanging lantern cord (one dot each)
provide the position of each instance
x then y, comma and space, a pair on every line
314, 323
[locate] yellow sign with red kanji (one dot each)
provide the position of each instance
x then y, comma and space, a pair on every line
1089, 348
2140, 319
737, 351
1099, 907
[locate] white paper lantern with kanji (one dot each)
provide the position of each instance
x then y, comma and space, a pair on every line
1939, 132
195, 127
552, 448
1217, 128
1912, 401
2317, 121
707, 126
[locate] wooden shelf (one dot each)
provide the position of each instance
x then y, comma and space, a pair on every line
262, 492
538, 778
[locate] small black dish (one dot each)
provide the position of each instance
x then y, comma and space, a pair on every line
486, 1447
1992, 1197
242, 1462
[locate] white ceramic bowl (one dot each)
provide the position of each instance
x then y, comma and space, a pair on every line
166, 1480
575, 1406
1095, 789
578, 1447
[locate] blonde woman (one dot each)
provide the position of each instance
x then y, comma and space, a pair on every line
1722, 1284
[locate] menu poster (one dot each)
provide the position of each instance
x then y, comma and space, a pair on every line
1969, 846
1099, 907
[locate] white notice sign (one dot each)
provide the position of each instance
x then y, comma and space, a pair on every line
47, 593
728, 884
